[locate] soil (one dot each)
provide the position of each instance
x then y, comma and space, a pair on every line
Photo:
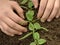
52, 36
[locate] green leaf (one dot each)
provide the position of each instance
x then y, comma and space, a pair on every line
41, 41
29, 15
24, 1
30, 4
36, 36
31, 26
33, 43
37, 26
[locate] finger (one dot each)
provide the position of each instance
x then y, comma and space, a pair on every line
14, 25
10, 30
43, 4
35, 2
18, 9
3, 29
48, 10
0, 26
16, 18
58, 15
55, 11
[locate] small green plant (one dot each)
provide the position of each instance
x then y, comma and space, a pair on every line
33, 26
37, 40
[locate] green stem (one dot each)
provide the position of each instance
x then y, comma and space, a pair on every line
33, 32
44, 28
35, 20
26, 36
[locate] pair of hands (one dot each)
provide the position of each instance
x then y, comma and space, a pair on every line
9, 21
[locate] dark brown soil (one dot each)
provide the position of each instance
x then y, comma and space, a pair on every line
52, 36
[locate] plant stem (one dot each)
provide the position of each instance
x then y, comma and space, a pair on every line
35, 20
44, 28
33, 31
26, 36
33, 34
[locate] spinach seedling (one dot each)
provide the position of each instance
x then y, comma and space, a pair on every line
37, 40
33, 26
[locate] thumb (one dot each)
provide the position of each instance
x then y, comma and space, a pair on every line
35, 2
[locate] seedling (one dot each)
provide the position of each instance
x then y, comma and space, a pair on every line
33, 26
37, 40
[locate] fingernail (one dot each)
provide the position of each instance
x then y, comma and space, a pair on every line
20, 33
48, 20
35, 6
57, 16
22, 16
12, 35
42, 20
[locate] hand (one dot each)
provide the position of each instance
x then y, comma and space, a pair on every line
9, 20
48, 9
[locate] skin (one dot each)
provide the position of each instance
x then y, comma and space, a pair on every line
9, 20
48, 9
